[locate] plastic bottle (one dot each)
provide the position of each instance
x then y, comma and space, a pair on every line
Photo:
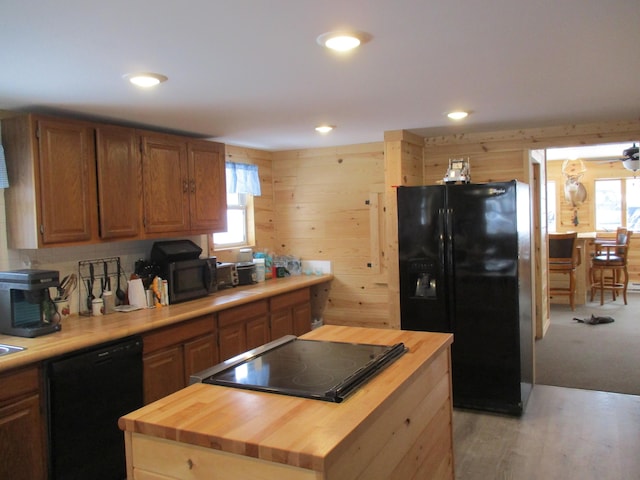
260, 269
109, 302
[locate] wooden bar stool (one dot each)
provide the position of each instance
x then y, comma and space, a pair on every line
609, 266
564, 258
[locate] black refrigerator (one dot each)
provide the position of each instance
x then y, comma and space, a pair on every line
465, 268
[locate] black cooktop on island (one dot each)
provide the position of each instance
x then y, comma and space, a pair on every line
316, 369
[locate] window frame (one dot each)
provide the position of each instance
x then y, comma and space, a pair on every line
624, 184
246, 207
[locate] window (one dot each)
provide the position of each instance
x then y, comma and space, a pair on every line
633, 204
243, 183
617, 204
237, 228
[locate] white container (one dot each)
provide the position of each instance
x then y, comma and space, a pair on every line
260, 269
97, 306
137, 296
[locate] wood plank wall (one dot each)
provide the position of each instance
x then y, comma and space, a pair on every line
314, 201
327, 207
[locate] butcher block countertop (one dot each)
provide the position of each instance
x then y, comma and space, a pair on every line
80, 332
397, 425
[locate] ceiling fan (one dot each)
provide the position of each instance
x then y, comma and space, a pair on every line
629, 160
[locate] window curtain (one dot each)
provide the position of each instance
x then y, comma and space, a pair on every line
242, 178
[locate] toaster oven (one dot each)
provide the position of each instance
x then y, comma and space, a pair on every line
226, 275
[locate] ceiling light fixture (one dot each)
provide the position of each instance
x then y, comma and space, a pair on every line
146, 79
458, 115
324, 128
342, 41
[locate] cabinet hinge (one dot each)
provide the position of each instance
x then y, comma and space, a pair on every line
41, 229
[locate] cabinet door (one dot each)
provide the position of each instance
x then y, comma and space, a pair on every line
67, 181
301, 319
166, 184
257, 332
207, 187
233, 340
119, 169
281, 323
163, 373
22, 453
199, 354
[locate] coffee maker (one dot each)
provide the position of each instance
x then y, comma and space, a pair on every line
26, 308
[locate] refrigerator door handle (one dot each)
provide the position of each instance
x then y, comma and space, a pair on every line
442, 229
449, 233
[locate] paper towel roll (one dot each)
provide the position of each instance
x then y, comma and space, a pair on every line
136, 293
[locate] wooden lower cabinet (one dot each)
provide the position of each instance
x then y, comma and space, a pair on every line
199, 353
163, 373
172, 354
22, 444
243, 328
290, 313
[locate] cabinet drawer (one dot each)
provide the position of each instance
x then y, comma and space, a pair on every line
287, 300
19, 382
153, 457
242, 313
178, 333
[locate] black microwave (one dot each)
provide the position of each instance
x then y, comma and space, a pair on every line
190, 279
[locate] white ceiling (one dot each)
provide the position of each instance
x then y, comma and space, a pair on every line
250, 73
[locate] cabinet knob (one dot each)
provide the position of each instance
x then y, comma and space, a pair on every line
193, 186
185, 186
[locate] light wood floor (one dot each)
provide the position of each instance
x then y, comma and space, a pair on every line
564, 434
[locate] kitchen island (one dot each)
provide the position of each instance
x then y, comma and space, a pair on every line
397, 425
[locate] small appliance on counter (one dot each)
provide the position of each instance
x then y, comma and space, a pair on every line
226, 275
188, 276
26, 308
246, 273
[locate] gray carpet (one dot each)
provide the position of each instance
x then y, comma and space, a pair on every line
593, 357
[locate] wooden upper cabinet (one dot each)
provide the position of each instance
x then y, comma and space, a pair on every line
52, 195
119, 169
207, 187
74, 182
184, 185
166, 187
67, 181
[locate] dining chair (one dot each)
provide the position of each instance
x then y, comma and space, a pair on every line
564, 257
609, 266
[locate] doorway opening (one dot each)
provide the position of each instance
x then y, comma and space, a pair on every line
570, 353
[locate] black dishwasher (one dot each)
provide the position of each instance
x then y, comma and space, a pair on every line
87, 391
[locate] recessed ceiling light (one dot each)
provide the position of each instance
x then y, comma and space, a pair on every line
324, 128
342, 41
145, 79
459, 115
